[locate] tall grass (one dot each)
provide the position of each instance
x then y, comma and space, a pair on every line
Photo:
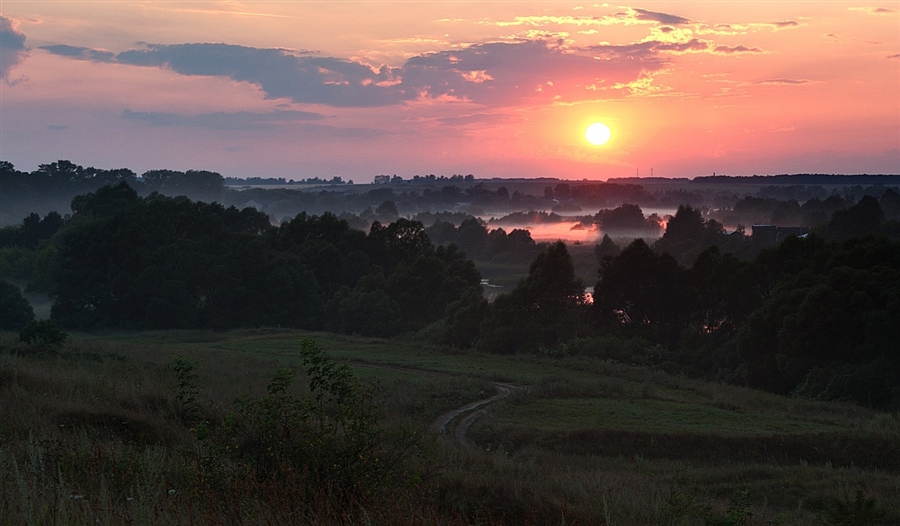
95, 432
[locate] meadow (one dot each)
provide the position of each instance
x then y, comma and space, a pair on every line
140, 428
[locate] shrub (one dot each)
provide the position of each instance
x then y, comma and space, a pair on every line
327, 445
861, 510
42, 333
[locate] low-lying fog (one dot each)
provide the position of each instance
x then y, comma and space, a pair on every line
572, 231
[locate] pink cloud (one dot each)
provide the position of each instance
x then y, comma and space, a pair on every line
493, 73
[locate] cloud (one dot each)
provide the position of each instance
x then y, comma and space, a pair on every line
81, 53
693, 45
653, 50
894, 56
525, 70
873, 10
557, 20
58, 127
10, 36
785, 24
278, 72
782, 81
241, 120
629, 17
743, 29
735, 50
12, 47
495, 73
663, 18
475, 119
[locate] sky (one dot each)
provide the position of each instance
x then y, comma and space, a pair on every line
300, 89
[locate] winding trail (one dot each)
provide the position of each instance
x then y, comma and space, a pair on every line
458, 420
463, 417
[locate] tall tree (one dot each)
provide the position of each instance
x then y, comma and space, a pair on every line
15, 311
544, 309
641, 291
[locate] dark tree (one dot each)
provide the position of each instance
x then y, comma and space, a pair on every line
606, 249
625, 218
15, 311
687, 234
827, 326
441, 232
464, 319
106, 202
387, 211
860, 220
472, 237
544, 309
641, 291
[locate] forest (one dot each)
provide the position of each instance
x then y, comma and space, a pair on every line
813, 315
658, 302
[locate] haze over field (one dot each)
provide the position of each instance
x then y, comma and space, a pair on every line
302, 89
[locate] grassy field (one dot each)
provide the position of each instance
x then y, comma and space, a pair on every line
96, 432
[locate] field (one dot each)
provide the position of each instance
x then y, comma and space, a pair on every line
96, 432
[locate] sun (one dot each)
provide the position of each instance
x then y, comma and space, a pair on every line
597, 133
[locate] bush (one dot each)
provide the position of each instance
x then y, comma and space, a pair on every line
634, 351
862, 510
328, 441
42, 333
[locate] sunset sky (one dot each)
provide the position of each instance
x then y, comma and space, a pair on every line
496, 89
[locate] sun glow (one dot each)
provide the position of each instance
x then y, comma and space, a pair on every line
597, 133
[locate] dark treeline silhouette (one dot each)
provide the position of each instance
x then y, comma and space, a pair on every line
815, 315
52, 187
281, 181
771, 210
479, 242
159, 262
627, 219
802, 179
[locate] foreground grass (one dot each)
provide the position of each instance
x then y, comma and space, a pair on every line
94, 433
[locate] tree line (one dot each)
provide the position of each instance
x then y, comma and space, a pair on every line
814, 316
127, 261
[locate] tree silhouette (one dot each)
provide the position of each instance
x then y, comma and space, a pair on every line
544, 309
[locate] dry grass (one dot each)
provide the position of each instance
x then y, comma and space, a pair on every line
93, 433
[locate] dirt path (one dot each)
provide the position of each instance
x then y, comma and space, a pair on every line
458, 420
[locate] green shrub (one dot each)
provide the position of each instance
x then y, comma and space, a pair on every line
42, 333
860, 511
188, 406
328, 441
